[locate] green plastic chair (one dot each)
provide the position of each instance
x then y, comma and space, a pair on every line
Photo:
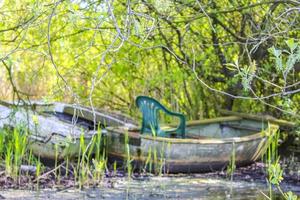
150, 108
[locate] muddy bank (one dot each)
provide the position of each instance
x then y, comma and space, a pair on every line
153, 188
248, 183
58, 179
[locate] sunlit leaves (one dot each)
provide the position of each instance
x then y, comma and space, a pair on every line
246, 73
1, 3
162, 6
291, 44
278, 59
149, 48
286, 59
275, 173
290, 196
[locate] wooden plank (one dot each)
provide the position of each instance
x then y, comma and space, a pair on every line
32, 104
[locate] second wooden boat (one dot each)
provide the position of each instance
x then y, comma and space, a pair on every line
55, 129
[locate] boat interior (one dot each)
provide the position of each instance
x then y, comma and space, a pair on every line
71, 119
224, 129
217, 128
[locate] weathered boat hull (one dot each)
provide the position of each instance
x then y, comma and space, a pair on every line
189, 155
55, 130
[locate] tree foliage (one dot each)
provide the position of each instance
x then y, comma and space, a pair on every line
194, 56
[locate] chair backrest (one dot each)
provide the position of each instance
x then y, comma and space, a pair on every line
150, 122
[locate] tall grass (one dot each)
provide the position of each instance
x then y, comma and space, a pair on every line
38, 171
274, 170
100, 160
13, 147
156, 161
128, 160
92, 160
88, 169
149, 160
232, 164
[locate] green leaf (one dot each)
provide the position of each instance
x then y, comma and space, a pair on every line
290, 196
231, 66
275, 52
275, 173
291, 44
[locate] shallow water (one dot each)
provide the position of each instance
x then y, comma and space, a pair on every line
155, 188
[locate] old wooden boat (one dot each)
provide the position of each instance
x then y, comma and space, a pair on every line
205, 145
208, 145
55, 128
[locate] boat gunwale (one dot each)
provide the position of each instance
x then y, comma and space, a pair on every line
259, 135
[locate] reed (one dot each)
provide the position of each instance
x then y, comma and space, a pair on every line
90, 167
149, 161
67, 166
2, 137
56, 160
81, 167
271, 159
100, 161
128, 156
274, 170
38, 172
100, 155
161, 163
232, 166
13, 147
92, 160
155, 161
8, 159
115, 168
99, 144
